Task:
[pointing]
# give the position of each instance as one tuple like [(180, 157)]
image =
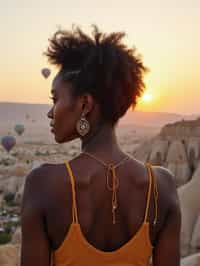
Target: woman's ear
[(87, 103)]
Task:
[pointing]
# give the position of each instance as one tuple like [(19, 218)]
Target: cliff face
[(181, 129), (177, 147)]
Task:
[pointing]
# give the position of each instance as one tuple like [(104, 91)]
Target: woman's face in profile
[(65, 112)]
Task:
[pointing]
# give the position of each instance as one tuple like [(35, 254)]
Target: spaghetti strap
[(74, 205), (155, 192), (152, 180), (149, 191)]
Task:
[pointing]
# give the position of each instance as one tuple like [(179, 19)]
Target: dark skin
[(46, 207)]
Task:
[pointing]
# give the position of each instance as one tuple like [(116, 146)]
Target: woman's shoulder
[(163, 177), (42, 180), (166, 186), (41, 175), (45, 168)]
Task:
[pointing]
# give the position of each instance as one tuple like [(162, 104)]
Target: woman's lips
[(52, 130)]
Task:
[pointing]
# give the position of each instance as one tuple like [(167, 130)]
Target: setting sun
[(147, 97)]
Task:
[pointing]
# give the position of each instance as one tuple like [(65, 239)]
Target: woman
[(103, 207)]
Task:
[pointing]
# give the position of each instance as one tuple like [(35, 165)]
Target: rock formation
[(9, 255), (177, 147), (190, 208), (192, 260)]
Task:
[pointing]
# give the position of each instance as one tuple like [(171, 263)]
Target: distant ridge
[(10, 111), (17, 112)]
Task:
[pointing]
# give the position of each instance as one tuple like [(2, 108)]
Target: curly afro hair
[(101, 65)]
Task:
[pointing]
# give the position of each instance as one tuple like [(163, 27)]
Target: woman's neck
[(101, 140)]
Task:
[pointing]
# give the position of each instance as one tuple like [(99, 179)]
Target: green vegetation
[(9, 199), (5, 237), (8, 228)]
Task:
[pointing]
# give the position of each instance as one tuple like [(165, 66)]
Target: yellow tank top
[(75, 250)]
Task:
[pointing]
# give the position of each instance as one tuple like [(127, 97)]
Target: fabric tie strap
[(113, 188), (115, 181)]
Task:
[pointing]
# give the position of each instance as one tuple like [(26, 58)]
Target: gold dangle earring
[(82, 126)]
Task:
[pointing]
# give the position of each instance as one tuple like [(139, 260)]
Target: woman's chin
[(57, 139), (63, 139)]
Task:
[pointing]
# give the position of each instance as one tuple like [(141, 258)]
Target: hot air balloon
[(8, 142), (45, 72), (19, 128)]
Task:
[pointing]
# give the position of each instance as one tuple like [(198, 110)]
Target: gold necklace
[(115, 181)]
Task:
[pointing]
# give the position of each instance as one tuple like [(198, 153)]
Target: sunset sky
[(166, 33)]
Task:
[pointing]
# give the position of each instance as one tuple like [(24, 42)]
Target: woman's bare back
[(94, 202)]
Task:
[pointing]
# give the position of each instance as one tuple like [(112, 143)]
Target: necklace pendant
[(114, 207)]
